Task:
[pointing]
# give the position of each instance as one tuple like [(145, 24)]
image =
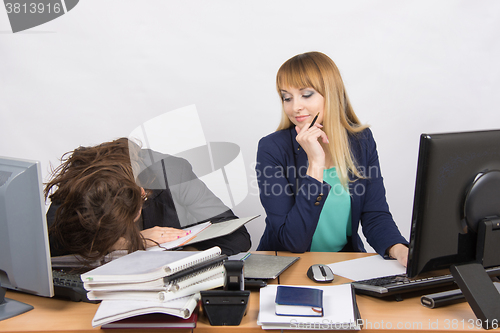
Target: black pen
[(314, 120)]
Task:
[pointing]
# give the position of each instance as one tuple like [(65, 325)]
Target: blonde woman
[(318, 174)]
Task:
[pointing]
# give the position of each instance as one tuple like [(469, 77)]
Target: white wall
[(107, 66)]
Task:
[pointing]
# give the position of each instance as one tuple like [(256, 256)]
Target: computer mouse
[(320, 273)]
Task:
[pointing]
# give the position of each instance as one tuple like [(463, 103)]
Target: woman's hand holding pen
[(308, 137), (309, 141)]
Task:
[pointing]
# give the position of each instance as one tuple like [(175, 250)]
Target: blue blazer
[(293, 201)]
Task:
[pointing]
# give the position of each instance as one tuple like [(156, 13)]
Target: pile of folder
[(153, 281)]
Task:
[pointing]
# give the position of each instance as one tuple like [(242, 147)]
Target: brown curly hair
[(99, 200)]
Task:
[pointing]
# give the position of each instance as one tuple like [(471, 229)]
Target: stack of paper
[(339, 307), (160, 279)]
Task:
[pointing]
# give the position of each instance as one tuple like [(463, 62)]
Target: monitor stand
[(482, 214), (480, 293), (477, 287), (11, 308)]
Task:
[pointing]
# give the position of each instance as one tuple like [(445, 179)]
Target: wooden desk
[(379, 315), (61, 316), (386, 314), (296, 274)]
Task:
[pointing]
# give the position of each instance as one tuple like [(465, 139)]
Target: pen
[(314, 120), (245, 257)]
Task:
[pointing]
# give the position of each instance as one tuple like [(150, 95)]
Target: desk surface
[(55, 315), (385, 314)]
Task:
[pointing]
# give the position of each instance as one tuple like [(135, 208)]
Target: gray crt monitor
[(24, 246)]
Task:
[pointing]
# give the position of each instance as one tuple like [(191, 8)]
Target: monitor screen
[(448, 164), (24, 247)]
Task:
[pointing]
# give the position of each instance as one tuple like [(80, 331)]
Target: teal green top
[(334, 225)]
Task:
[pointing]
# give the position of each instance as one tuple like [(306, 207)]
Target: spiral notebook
[(143, 266), (170, 282), (208, 280)]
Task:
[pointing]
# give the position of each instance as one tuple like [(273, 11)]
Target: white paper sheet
[(367, 268), (195, 230)]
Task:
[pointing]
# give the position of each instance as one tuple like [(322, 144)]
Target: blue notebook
[(299, 301)]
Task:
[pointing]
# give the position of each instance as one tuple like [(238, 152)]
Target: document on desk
[(204, 231), (193, 232), (367, 268), (339, 306)]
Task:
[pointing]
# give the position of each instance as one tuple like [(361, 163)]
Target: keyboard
[(399, 284), (69, 286)]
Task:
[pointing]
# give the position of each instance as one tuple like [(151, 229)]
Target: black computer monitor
[(24, 246), (456, 212), (448, 164)]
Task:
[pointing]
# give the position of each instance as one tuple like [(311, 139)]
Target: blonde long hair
[(318, 71)]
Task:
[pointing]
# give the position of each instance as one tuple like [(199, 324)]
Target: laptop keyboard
[(69, 286)]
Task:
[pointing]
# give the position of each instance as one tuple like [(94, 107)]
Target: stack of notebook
[(330, 307), (149, 281)]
